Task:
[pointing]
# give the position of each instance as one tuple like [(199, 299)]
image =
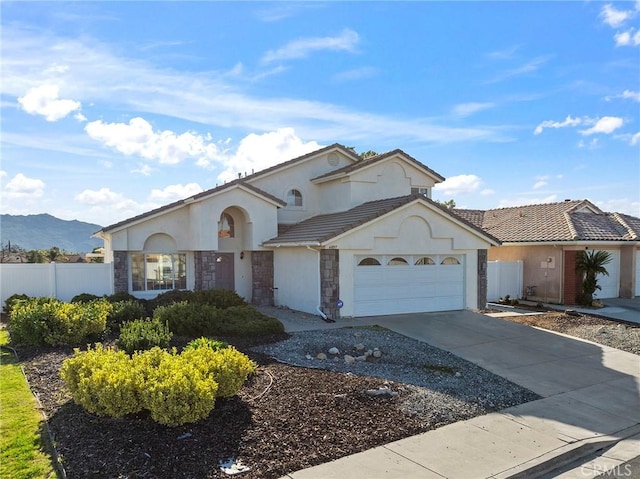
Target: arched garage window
[(425, 261), (449, 260), (397, 262), (369, 262)]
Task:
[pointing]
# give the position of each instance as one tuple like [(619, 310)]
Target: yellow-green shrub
[(49, 321), (229, 367), (103, 381), (176, 392)]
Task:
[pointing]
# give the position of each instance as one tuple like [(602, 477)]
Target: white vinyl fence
[(58, 280), (504, 278)]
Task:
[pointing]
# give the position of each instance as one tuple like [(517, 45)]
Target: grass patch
[(23, 453), (439, 368)]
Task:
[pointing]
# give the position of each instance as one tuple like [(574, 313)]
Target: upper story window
[(294, 198), (225, 226)]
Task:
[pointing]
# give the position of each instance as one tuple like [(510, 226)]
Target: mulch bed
[(285, 418)]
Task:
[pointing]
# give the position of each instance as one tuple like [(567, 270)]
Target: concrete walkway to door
[(590, 400)]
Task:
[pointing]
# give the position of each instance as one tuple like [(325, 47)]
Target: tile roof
[(324, 227), (375, 159), (577, 220)]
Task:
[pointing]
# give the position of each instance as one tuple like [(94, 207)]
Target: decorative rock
[(308, 356), (359, 347), (349, 359), (334, 351), (458, 374), (361, 358), (321, 356), (368, 352), (377, 353), (381, 392)]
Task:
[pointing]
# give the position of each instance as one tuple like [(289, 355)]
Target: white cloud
[(529, 67), (606, 125), (143, 169), (539, 184), (568, 121), (43, 100), (620, 205), (635, 139), (257, 152), (356, 74), (303, 47), (627, 94), (521, 201), (101, 196), (487, 192), (108, 207), (459, 185), (627, 38), (591, 145), (466, 109), (21, 186), (138, 138), (175, 192), (614, 17)]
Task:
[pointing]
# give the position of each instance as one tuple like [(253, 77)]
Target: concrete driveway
[(590, 399)]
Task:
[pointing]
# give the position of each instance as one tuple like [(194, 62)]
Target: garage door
[(610, 284), (408, 284)]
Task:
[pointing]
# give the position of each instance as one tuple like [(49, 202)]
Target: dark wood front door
[(224, 271)]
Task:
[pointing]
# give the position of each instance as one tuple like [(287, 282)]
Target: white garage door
[(638, 272), (408, 284), (610, 284)]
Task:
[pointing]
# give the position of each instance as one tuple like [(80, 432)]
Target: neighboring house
[(547, 238), (327, 232)]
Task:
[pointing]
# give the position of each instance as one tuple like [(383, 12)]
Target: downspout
[(319, 309)]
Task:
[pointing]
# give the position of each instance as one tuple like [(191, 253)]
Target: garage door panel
[(610, 284), (397, 289)]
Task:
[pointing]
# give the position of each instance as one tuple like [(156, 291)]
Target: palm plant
[(590, 264)]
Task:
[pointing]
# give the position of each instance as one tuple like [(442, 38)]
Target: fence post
[(53, 282)]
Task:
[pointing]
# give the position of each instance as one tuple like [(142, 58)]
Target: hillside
[(45, 231)]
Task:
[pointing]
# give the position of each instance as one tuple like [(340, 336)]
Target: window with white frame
[(158, 271), (294, 198)]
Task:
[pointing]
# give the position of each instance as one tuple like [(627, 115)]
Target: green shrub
[(11, 301), (229, 367), (142, 334), (169, 298), (48, 321), (202, 342), (84, 298), (121, 296), (246, 321), (103, 381), (174, 391), (124, 311), (188, 319), (220, 298)]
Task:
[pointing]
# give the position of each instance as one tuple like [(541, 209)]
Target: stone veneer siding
[(482, 278), (120, 272), (262, 278), (205, 269), (329, 282)]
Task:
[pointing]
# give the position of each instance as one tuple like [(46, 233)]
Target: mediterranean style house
[(326, 233), (547, 237)]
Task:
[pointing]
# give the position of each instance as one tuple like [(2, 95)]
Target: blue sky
[(110, 109)]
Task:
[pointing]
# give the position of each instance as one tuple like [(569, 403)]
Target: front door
[(224, 271)]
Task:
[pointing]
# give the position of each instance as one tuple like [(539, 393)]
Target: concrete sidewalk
[(590, 401)]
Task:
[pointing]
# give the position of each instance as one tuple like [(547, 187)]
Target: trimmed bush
[(124, 311), (174, 391), (246, 321), (188, 319), (212, 344), (142, 334), (40, 321), (84, 298), (102, 381), (11, 301), (228, 366), (220, 298)]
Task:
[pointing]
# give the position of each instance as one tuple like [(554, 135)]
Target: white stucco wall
[(297, 277)]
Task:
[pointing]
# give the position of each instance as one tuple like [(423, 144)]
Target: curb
[(566, 455)]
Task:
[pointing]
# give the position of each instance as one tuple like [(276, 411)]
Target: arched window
[(294, 198), (369, 262), (449, 260), (425, 261), (397, 262), (225, 226)]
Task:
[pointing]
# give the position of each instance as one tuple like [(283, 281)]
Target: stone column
[(572, 288), (262, 278), (120, 272), (205, 269), (482, 279), (330, 282)]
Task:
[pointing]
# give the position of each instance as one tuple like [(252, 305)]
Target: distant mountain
[(45, 231)]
